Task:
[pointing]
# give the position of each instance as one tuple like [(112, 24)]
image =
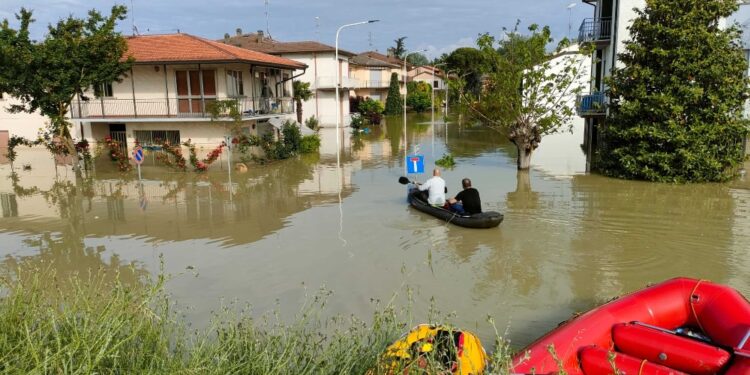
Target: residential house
[(322, 70), (374, 76), (168, 92), (607, 31), (428, 74)]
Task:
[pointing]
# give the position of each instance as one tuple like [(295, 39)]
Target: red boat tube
[(720, 312)]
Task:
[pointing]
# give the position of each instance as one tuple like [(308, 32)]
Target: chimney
[(260, 36)]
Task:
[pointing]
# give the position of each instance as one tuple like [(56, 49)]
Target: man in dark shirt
[(467, 201)]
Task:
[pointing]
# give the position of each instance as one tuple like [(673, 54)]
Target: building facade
[(322, 71), (431, 75), (374, 76), (167, 95)]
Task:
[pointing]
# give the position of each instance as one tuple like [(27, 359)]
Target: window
[(148, 138), (189, 89), (234, 83), (436, 84), (103, 90)]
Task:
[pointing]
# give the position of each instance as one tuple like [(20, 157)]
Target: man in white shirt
[(435, 186)]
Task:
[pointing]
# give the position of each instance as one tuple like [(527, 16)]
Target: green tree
[(394, 104), (528, 91), (75, 55), (468, 64), (417, 59), (302, 93), (399, 49), (676, 105), (419, 96)]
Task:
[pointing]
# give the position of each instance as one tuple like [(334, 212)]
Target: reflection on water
[(567, 243)]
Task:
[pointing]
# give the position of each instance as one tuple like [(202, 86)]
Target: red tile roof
[(188, 48)]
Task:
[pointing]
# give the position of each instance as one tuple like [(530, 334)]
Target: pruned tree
[(75, 55), (529, 92), (676, 111)]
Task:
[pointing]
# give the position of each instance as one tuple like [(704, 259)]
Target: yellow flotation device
[(426, 345)]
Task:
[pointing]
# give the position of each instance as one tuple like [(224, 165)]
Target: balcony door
[(189, 96), (376, 76)]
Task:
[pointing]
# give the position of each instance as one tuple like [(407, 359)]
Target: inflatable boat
[(681, 326), (483, 220)]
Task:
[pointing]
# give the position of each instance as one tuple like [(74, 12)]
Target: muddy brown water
[(276, 233)]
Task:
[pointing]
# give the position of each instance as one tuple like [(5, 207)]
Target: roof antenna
[(268, 29), (132, 17), (370, 40), (317, 28)]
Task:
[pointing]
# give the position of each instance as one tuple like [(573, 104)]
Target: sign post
[(138, 157), (415, 164)]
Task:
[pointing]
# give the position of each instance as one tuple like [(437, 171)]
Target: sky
[(438, 26)]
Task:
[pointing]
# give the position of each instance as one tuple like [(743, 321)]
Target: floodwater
[(275, 234)]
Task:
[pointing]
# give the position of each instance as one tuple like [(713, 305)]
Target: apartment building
[(322, 70), (168, 92)]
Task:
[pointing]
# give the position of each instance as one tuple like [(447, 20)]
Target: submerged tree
[(76, 55), (676, 105), (394, 104), (528, 92), (302, 93)]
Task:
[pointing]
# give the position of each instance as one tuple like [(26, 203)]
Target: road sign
[(138, 155), (415, 164)]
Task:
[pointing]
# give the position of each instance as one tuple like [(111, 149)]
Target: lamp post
[(406, 93), (338, 83), (570, 12), (432, 106)]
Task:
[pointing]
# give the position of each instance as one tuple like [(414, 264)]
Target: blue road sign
[(415, 164), (138, 155)]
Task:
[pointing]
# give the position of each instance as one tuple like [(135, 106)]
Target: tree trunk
[(524, 156), (299, 111)]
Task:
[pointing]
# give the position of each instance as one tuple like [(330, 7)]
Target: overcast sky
[(436, 25)]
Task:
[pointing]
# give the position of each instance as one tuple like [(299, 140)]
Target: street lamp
[(432, 106), (338, 83), (570, 12), (406, 94)]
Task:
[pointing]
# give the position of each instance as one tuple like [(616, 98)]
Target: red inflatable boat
[(681, 326)]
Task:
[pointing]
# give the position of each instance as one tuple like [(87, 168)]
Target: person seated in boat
[(466, 202), (435, 188)]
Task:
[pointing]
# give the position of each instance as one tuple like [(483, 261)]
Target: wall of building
[(26, 125)]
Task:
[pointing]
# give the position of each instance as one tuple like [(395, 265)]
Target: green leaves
[(676, 107), (394, 103)]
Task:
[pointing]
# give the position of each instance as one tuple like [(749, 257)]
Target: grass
[(99, 323)]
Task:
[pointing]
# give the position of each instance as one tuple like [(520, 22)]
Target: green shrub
[(371, 110), (419, 97), (357, 121), (312, 123), (310, 144), (394, 104), (446, 161)]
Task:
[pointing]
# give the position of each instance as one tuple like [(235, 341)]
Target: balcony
[(329, 83), (591, 105), (189, 109), (375, 84), (595, 30)]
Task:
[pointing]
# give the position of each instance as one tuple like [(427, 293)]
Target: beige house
[(429, 74), (168, 92), (322, 71), (373, 71)]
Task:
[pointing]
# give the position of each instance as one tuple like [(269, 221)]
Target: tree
[(394, 104), (302, 93), (399, 49), (76, 54), (469, 64), (419, 96), (529, 92), (676, 105), (417, 59)]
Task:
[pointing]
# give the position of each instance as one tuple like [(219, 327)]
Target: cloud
[(435, 51)]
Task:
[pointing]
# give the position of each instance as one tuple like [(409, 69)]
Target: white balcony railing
[(329, 82), (174, 107)]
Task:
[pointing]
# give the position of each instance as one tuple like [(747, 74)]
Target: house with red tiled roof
[(174, 79), (373, 71), (322, 73), (428, 74)]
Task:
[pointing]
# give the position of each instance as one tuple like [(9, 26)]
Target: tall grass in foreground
[(95, 324)]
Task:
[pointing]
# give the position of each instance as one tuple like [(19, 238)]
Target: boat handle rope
[(694, 297), (640, 370), (741, 346)]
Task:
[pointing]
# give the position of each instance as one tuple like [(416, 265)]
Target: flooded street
[(277, 233)]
